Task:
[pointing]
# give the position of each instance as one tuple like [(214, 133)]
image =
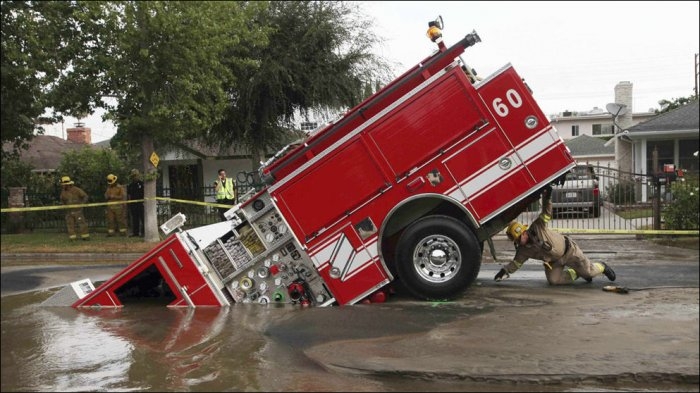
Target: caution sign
[(154, 159)]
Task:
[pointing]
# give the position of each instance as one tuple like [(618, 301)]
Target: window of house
[(664, 154), (602, 129), (574, 130), (686, 159)]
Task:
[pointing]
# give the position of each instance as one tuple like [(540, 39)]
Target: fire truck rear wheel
[(438, 257)]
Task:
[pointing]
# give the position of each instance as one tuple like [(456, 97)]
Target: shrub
[(683, 212), (622, 193)]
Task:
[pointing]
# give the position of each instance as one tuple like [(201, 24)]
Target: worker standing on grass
[(73, 195), (134, 191), (564, 261), (116, 214), (225, 193)]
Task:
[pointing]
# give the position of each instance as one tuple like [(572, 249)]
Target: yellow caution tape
[(628, 231), (62, 207)]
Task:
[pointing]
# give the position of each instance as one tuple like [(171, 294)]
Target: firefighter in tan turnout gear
[(116, 214), (563, 260), (73, 195)]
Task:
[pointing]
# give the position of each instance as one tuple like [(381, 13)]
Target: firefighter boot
[(609, 273)]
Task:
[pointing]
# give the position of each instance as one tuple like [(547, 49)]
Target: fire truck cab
[(405, 187)]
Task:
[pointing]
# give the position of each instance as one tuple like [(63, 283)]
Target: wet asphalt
[(519, 331)]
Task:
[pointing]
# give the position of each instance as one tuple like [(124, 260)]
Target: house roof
[(683, 118), (45, 151), (585, 145)]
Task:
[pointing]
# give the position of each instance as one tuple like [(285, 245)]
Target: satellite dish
[(616, 109)]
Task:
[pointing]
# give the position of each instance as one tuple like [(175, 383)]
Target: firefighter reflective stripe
[(339, 253), (599, 266), (492, 176), (572, 274), (546, 218)]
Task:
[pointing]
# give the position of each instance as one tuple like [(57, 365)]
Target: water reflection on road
[(145, 347)]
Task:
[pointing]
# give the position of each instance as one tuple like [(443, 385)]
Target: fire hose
[(624, 290)]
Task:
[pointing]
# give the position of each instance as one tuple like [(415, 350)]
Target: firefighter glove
[(500, 274)]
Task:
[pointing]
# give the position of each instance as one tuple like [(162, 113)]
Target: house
[(187, 169), (598, 122), (670, 138), (590, 150), (45, 152)]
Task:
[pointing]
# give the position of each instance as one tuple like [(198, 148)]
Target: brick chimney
[(80, 134), (623, 150)]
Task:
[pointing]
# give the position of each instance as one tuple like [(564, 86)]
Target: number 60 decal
[(513, 99)]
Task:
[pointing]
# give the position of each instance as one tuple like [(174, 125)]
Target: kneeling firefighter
[(562, 258)]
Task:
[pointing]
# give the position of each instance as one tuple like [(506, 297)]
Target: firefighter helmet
[(111, 179), (66, 181), (515, 229)]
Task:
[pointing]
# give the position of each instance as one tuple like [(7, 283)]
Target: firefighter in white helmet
[(563, 260)]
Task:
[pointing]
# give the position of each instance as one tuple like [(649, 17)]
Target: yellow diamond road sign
[(155, 159)]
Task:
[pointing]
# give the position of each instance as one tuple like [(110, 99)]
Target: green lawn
[(634, 213)]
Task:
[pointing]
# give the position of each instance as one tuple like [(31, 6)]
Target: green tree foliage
[(88, 168), (37, 44), (669, 105), (318, 54), (167, 65)]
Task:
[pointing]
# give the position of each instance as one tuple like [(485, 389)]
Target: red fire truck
[(406, 186)]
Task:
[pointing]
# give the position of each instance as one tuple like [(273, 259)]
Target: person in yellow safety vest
[(73, 195), (564, 261), (116, 214), (225, 193)]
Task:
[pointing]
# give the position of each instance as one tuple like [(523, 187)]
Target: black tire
[(437, 258)]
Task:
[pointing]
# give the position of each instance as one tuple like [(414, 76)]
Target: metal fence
[(169, 202), (629, 203), (633, 203)]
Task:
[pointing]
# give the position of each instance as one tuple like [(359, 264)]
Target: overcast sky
[(571, 54)]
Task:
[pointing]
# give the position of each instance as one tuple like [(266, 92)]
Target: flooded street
[(147, 347), (520, 335)]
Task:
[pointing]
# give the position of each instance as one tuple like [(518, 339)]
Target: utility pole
[(696, 76)]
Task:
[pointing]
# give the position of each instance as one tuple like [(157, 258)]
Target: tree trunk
[(255, 158), (150, 221)]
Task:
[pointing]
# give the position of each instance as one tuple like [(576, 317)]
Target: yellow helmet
[(515, 229), (111, 179), (66, 181)]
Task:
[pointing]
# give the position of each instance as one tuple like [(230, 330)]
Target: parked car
[(578, 193)]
